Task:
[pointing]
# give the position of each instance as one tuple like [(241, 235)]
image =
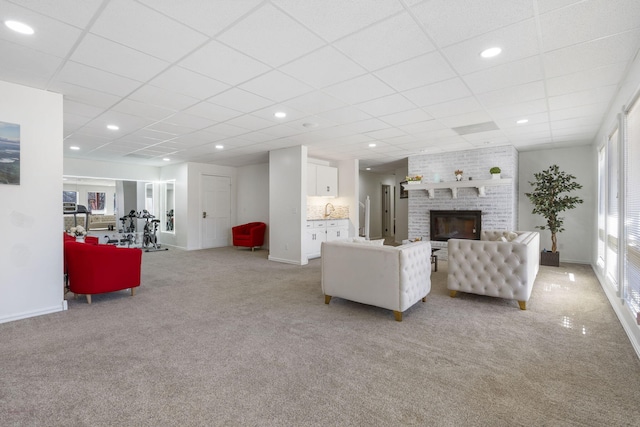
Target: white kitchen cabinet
[(337, 229), (322, 180), (323, 231)]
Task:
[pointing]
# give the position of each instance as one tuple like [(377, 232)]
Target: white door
[(216, 211)]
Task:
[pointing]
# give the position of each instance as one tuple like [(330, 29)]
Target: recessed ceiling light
[(73, 147), (280, 114), (219, 146), (522, 121), (166, 159), (491, 52), (113, 127), (19, 27), (372, 145)]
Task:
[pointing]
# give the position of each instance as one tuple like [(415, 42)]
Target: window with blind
[(611, 226), (632, 210), (601, 207)]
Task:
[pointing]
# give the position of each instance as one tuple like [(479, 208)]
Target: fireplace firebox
[(445, 225)]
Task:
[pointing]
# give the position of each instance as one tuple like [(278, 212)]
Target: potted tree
[(549, 199)]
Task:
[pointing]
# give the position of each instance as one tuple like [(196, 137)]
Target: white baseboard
[(287, 261), (34, 313)]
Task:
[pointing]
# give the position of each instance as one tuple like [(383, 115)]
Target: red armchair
[(249, 235), (97, 269)]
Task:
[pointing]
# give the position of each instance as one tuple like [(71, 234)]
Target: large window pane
[(632, 210), (612, 211)]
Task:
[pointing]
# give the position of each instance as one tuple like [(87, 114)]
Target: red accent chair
[(249, 235), (98, 269)]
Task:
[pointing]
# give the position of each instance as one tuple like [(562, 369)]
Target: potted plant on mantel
[(549, 200), (495, 172)]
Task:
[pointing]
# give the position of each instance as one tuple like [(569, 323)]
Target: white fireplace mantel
[(480, 185)]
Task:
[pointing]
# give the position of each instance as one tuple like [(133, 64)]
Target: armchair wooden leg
[(133, 291), (88, 298), (398, 315), (453, 294), (327, 298), (424, 299), (523, 305)]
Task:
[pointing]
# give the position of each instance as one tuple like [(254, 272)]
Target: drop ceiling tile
[(386, 105), (385, 43), (84, 95), (549, 5), (240, 100), (75, 13), (585, 21), (230, 66), (367, 125), (575, 124), (142, 109), (581, 111), (449, 22), (189, 83), (80, 109), (91, 78), (51, 36), (26, 66), (419, 71), (171, 130), (511, 74), (513, 94), (592, 54), (452, 108), (212, 112), (588, 79), (190, 121), (271, 37), (336, 19), (268, 114), (146, 30), (162, 98), (251, 122), (208, 17), (115, 58), (384, 134), (518, 41), (324, 67), (510, 123), (315, 102), (359, 90), (586, 97), (421, 127), (406, 117), (521, 109), (276, 86), (467, 119), (437, 93), (345, 115), (226, 130)]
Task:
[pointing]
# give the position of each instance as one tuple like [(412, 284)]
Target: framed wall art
[(9, 153)]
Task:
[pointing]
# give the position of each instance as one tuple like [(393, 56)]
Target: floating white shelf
[(480, 185)]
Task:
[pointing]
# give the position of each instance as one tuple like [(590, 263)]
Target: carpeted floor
[(223, 337)]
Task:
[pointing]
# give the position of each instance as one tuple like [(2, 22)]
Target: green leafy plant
[(495, 169), (549, 199)]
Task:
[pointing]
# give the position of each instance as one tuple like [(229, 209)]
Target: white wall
[(114, 170), (252, 194), (575, 243), (287, 204), (179, 174), (31, 278), (371, 185)]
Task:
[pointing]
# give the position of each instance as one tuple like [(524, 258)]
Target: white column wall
[(31, 281)]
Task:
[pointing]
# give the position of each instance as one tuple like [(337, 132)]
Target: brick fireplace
[(498, 207)]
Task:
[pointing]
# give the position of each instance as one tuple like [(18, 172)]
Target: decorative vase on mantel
[(458, 174), (80, 239)]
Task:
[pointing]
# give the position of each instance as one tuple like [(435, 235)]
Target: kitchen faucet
[(327, 213)]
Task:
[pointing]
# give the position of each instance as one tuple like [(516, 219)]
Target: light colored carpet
[(224, 337)]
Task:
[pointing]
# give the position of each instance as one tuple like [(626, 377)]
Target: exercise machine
[(149, 236)]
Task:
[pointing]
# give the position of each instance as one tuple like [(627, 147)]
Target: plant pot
[(495, 176), (80, 239), (551, 259), (414, 182)]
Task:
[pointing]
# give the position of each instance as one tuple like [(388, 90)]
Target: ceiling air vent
[(139, 156), (476, 128)]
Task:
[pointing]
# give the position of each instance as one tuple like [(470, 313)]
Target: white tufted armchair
[(390, 277), (501, 264)]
